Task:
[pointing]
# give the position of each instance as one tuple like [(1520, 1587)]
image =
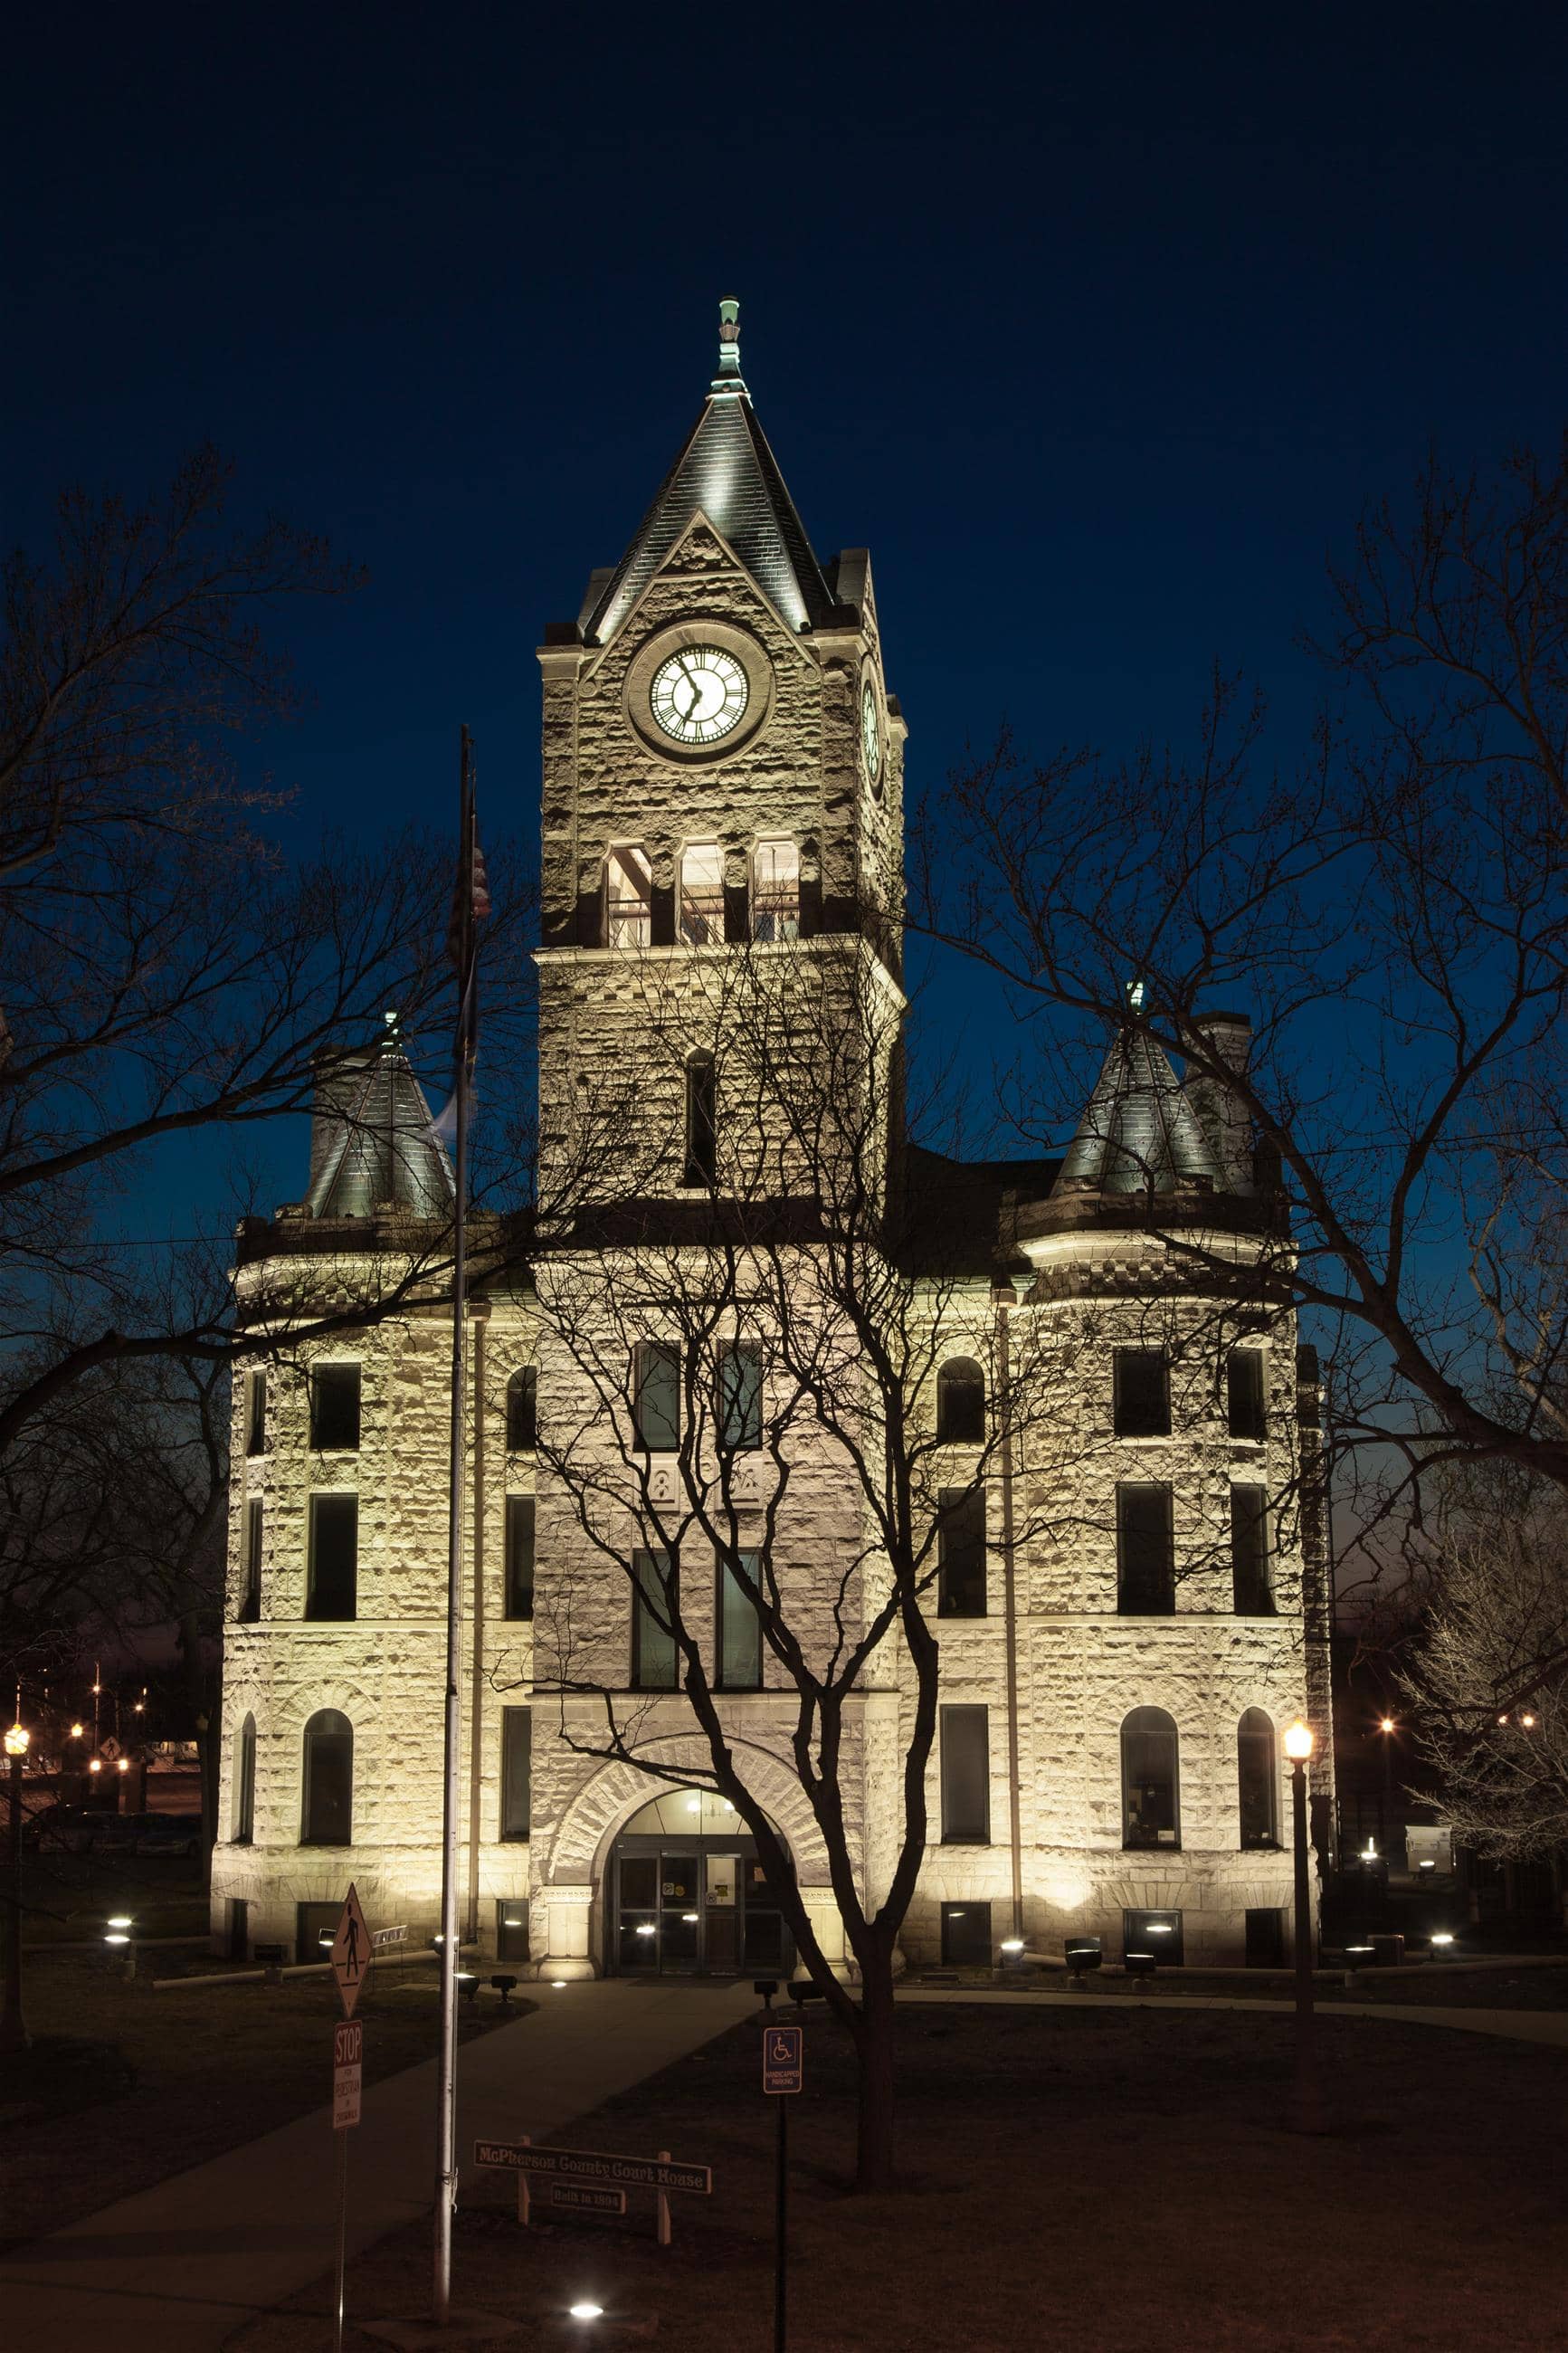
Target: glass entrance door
[(686, 1895)]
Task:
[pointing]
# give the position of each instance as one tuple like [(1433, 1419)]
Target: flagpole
[(446, 2070)]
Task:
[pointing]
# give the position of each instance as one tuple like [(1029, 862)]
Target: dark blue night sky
[(1097, 328)]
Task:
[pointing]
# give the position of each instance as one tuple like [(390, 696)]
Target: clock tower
[(721, 796)]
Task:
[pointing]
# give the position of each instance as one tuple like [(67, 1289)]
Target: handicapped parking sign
[(784, 2058)]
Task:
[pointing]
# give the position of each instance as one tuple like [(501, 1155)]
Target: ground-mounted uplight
[(1441, 1939), (1012, 1944), (586, 2311), (557, 1985)]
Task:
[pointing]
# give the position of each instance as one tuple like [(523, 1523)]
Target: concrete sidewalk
[(1549, 2026), (177, 2268)]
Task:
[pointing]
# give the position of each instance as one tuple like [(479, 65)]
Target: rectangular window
[(1245, 1399), (740, 1642), (1142, 1393), (653, 1630), (516, 1770), (250, 1600), (520, 1556), (702, 1121), (1250, 1584), (255, 1413), (511, 1928), (628, 898), (1145, 1558), (656, 1397), (522, 1410), (961, 1553), (335, 1556), (965, 1777), (775, 891), (334, 1409), (702, 896), (966, 1935), (739, 1398)]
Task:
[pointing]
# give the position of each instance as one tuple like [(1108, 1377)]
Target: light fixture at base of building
[(585, 2311), (1298, 1742), (557, 1985), (1012, 1944), (1442, 1936)]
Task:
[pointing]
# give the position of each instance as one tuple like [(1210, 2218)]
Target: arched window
[(1257, 1774), (702, 1121), (1151, 1811), (522, 1410), (775, 891), (245, 1783), (961, 1402), (628, 897), (326, 1815)]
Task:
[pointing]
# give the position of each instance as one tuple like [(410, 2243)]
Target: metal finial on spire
[(728, 344)]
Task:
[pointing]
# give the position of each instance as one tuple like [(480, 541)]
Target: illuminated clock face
[(700, 695), (869, 735)]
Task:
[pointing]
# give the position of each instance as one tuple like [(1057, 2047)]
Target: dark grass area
[(124, 2086), (1074, 2178), (1531, 1985), (66, 1898)]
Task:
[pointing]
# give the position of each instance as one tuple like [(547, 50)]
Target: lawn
[(125, 2085), (1097, 2177)]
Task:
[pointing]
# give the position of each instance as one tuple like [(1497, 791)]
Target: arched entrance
[(685, 1895)]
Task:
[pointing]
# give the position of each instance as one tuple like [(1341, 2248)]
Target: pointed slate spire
[(375, 1144), (1140, 1133), (727, 472)]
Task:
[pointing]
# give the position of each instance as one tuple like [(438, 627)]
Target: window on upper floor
[(656, 1397), (520, 1556), (245, 1783), (965, 1746), (961, 1553), (1246, 1397), (775, 891), (326, 1811), (522, 1410), (1142, 1393), (332, 1578), (738, 1399), (961, 1402), (255, 1413), (701, 1122), (516, 1771), (1151, 1799), (1145, 1556), (628, 897), (703, 895), (1257, 1774), (250, 1596), (655, 1584), (334, 1409), (1251, 1586), (738, 1647)]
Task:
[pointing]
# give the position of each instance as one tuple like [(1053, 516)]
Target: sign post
[(351, 1960), (784, 2062)]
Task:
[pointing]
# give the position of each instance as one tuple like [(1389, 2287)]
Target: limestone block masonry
[(1148, 1609)]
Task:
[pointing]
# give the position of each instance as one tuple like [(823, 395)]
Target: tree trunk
[(874, 2165)]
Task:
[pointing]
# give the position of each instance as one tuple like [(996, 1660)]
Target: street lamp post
[(1299, 1748), (13, 2028)]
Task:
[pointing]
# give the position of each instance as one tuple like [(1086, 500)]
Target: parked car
[(170, 1834), (116, 1833), (66, 1826)]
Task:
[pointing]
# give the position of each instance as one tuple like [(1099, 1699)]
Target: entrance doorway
[(687, 1897)]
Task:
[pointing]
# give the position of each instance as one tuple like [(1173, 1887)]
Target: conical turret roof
[(381, 1147), (727, 472), (1140, 1133)]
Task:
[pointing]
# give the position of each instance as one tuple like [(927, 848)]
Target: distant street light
[(1299, 1745), (13, 2026)]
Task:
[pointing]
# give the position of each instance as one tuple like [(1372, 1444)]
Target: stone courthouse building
[(1116, 1431)]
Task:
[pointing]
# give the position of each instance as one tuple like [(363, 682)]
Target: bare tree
[(742, 1381), (1392, 913), (169, 970), (1487, 1674)]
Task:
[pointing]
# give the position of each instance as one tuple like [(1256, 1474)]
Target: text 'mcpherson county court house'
[(1128, 1583)]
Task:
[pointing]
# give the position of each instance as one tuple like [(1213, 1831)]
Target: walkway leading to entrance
[(177, 2268)]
